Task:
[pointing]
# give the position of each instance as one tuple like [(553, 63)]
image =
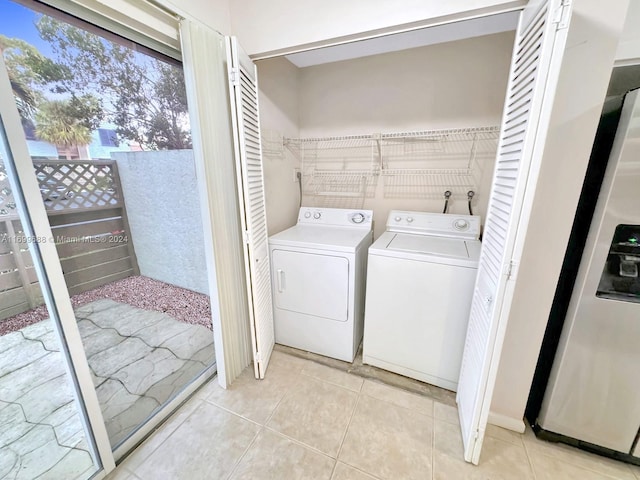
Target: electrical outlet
[(297, 174)]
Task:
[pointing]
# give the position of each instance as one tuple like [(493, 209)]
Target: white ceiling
[(402, 41)]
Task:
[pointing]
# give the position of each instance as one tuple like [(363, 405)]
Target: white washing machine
[(421, 274), (319, 271)]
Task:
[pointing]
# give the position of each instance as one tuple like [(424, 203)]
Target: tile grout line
[(132, 453), (575, 463), (529, 459), (333, 383), (333, 470), (399, 406), (298, 442), (235, 414), (288, 390), (348, 370), (433, 440), (246, 450), (346, 430)]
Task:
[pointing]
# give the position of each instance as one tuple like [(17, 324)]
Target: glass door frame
[(50, 275), (47, 265)]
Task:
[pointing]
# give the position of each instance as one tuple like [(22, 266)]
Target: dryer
[(318, 270), (421, 274)]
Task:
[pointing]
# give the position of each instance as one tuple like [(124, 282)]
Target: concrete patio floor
[(138, 360)]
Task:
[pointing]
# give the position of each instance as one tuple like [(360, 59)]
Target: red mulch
[(138, 291)]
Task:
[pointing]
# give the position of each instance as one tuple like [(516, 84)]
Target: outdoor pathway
[(138, 360)]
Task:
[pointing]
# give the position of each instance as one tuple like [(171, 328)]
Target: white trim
[(514, 6), (138, 20), (627, 62), (509, 423)]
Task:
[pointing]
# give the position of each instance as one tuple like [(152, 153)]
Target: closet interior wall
[(453, 85)]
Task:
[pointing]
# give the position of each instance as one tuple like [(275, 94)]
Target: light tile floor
[(310, 421)]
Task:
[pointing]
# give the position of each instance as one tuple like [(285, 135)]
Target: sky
[(17, 21)]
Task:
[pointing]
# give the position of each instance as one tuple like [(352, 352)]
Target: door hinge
[(245, 236), (234, 77), (511, 269), (258, 357), (561, 15)]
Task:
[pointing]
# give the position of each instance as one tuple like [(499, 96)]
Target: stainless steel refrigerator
[(592, 395)]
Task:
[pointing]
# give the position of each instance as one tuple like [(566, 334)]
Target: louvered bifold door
[(243, 82), (535, 64)]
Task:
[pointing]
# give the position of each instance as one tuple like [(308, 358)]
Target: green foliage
[(143, 96), (30, 73), (57, 122)]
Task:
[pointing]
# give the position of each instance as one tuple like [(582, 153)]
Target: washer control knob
[(307, 214), (461, 224), (357, 218), (409, 219), (317, 215), (397, 219)]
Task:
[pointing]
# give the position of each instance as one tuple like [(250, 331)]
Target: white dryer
[(319, 271), (421, 274)]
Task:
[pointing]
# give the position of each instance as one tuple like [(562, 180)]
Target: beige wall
[(576, 110), (278, 97), (629, 47), (267, 26), (449, 85)]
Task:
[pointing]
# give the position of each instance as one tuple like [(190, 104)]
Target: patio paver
[(138, 360)]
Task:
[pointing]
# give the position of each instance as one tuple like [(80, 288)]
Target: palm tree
[(55, 124)]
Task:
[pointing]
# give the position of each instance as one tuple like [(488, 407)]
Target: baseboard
[(506, 422)]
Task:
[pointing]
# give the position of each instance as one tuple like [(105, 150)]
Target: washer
[(319, 272), (421, 275)]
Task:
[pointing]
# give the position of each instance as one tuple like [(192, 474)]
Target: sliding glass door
[(101, 138), (44, 427)]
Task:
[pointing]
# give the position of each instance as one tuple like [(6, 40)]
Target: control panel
[(440, 224), (336, 217)]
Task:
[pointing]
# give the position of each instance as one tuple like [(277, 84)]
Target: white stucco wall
[(161, 198)]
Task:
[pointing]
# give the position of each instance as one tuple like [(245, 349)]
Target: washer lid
[(447, 247), (322, 237), (428, 248)]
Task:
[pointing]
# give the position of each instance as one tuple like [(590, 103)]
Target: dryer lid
[(342, 239)]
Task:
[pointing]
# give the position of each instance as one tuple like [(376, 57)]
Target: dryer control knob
[(397, 219), (307, 214), (409, 219), (317, 215), (461, 224), (357, 218)]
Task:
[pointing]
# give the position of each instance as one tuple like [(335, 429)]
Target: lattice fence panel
[(7, 203), (78, 185)]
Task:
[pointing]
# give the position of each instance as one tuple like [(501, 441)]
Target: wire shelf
[(414, 165), (359, 184)]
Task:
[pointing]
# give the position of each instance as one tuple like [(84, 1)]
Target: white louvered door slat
[(248, 150), (538, 45)]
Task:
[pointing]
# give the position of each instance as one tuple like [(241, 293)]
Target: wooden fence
[(89, 227)]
